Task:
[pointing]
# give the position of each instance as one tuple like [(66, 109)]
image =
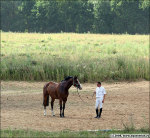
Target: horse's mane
[(67, 78)]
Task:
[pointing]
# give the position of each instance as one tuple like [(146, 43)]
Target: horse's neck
[(69, 83)]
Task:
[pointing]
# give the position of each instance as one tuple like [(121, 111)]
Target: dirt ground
[(126, 103)]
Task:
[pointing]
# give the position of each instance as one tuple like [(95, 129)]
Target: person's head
[(98, 84)]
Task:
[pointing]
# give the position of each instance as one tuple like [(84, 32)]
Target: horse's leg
[(64, 102), (52, 104), (45, 102), (60, 102), (44, 110)]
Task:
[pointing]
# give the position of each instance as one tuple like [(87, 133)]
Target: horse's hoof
[(53, 115)]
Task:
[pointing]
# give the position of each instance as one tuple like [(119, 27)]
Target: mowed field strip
[(21, 107)]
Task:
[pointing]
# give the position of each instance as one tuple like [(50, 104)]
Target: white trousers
[(99, 103)]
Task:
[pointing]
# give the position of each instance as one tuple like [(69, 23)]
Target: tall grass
[(93, 57), (130, 125)]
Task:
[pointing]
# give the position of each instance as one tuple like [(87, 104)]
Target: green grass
[(34, 56), (63, 134)]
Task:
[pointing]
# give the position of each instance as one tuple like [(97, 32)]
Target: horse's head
[(76, 83)]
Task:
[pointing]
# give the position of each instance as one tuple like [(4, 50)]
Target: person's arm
[(93, 93), (104, 98), (104, 95)]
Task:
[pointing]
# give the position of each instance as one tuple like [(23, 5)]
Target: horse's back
[(51, 88)]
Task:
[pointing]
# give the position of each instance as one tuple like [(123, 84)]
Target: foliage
[(98, 16)]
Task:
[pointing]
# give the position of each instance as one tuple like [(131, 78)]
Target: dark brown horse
[(59, 91)]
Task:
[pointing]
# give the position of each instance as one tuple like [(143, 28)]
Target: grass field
[(63, 134), (34, 56)]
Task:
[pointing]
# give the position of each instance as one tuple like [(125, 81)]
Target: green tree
[(103, 17), (26, 13), (10, 16), (76, 16), (129, 18), (98, 16)]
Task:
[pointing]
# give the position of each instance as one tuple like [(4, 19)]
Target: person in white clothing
[(100, 97)]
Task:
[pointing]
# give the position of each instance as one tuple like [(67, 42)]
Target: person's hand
[(94, 92), (103, 101)]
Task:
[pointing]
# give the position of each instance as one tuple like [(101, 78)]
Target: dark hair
[(67, 78), (99, 82)]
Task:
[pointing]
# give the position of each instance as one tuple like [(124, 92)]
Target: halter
[(75, 84)]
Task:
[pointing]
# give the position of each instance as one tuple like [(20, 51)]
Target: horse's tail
[(45, 95)]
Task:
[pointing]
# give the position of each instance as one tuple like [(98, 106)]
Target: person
[(100, 97)]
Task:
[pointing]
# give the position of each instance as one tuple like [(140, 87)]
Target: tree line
[(80, 16)]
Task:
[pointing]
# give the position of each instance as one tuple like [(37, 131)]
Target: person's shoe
[(96, 113), (99, 115)]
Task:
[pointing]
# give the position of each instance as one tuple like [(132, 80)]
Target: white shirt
[(100, 91)]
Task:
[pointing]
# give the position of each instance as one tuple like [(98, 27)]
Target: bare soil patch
[(21, 107)]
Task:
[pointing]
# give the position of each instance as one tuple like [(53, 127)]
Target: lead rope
[(77, 91), (73, 81), (80, 96)]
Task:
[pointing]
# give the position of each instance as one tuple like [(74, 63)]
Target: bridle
[(76, 84)]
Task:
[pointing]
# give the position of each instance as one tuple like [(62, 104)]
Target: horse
[(59, 91)]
